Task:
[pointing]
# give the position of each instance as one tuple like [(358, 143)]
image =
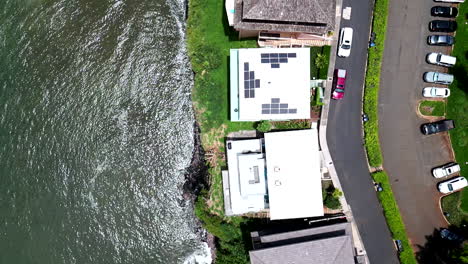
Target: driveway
[(408, 155), (344, 137)]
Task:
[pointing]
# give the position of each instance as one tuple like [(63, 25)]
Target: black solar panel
[(246, 66), (273, 55), (291, 55), (283, 60), (252, 93), (246, 75), (257, 83), (252, 75), (277, 108), (283, 55), (274, 60), (275, 66), (246, 84), (246, 94), (265, 55), (265, 60)]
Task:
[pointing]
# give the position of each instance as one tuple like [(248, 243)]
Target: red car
[(338, 93)]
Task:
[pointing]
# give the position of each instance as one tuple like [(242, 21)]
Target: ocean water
[(96, 133)]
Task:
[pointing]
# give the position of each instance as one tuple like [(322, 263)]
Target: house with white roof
[(279, 173), (269, 84)]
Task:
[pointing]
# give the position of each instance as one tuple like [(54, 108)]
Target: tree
[(320, 61)]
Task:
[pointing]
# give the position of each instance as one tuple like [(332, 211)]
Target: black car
[(442, 26), (436, 127), (440, 40), (449, 235), (444, 11)]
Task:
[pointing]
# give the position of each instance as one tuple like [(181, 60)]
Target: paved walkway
[(408, 155)]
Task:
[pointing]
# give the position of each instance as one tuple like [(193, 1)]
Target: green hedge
[(394, 220), (371, 92)]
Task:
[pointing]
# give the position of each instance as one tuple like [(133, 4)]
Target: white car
[(436, 92), (346, 40), (441, 59), (452, 185), (450, 1), (446, 170)]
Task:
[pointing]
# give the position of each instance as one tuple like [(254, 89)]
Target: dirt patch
[(212, 143)]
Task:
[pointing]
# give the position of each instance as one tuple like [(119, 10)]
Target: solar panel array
[(275, 59), (250, 83), (276, 107)]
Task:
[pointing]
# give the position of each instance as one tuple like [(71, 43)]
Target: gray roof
[(335, 250), (324, 245), (313, 16)]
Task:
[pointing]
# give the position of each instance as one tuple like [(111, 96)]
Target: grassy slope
[(371, 92), (393, 217), (438, 108), (457, 108), (209, 41)]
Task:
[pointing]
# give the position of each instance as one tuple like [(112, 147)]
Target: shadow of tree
[(461, 75), (438, 250)]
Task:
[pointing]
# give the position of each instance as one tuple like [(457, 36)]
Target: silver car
[(438, 77)]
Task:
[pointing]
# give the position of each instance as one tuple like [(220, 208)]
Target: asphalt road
[(408, 155), (344, 136)]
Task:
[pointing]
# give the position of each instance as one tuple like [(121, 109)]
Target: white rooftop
[(270, 84), (247, 182), (286, 170), (294, 178)]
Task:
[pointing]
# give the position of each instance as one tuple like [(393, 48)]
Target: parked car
[(446, 170), (438, 77), (441, 59), (436, 92), (442, 26), (346, 40), (449, 235), (450, 1), (338, 92), (452, 185), (440, 40), (444, 11), (436, 127)]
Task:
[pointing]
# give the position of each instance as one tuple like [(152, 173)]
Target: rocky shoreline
[(196, 179)]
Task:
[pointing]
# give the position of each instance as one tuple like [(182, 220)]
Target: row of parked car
[(443, 60)]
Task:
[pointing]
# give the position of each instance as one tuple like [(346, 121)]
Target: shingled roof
[(312, 16), (323, 245)]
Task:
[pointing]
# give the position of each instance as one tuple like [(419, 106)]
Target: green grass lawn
[(457, 106), (432, 108), (451, 205), (322, 71)]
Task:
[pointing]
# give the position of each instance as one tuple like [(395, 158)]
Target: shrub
[(292, 125), (264, 126)]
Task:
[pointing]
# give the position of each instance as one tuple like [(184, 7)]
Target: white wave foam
[(201, 256)]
